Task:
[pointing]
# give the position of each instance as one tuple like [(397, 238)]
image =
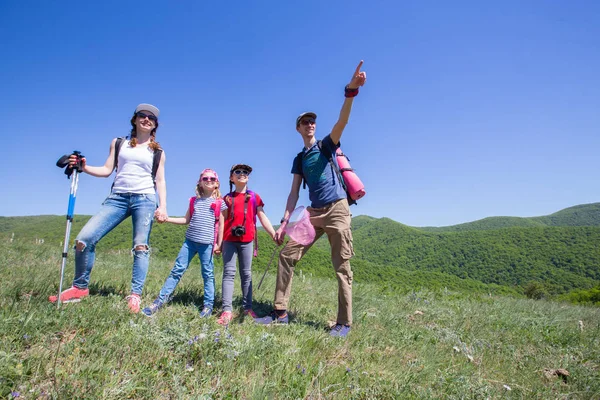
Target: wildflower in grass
[(15, 394), (189, 367), (506, 387), (348, 370), (26, 337)]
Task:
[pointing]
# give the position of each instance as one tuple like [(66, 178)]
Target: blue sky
[(471, 109)]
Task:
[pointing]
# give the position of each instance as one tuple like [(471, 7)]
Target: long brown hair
[(154, 145)]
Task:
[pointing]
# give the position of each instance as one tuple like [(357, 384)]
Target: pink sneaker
[(225, 318), (133, 302), (250, 313), (71, 295)]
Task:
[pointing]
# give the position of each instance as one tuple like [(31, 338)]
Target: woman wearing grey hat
[(139, 191)]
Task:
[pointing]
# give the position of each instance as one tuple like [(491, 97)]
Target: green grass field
[(408, 344)]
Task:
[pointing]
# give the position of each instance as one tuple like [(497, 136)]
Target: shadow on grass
[(102, 289)]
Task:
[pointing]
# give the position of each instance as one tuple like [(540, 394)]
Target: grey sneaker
[(152, 308), (206, 312), (340, 330), (273, 318)]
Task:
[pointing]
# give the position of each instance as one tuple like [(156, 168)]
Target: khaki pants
[(333, 220)]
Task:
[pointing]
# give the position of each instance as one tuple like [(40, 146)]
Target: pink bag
[(299, 227)]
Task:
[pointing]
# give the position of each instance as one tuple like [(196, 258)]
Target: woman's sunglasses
[(209, 178), (241, 172), (142, 115)]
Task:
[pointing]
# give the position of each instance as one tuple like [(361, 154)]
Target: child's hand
[(217, 250), (160, 216)]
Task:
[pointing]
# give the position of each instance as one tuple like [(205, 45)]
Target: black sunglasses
[(309, 121), (144, 115), (241, 172), (206, 179)]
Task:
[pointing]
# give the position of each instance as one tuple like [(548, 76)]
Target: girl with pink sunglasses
[(204, 236)]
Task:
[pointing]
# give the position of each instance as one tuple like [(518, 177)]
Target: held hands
[(161, 215), (358, 78)]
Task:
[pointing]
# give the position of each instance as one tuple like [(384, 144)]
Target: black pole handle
[(63, 162)]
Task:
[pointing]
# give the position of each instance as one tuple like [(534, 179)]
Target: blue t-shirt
[(323, 184), (202, 224)]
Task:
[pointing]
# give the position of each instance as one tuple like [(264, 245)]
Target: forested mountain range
[(496, 254), (581, 215)]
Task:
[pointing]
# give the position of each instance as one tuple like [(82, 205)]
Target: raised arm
[(292, 200), (100, 172), (358, 79)]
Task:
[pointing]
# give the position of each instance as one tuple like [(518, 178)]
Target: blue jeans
[(116, 208), (231, 250), (187, 252)]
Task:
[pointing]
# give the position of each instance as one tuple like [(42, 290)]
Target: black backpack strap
[(298, 163), (118, 145), (329, 155), (156, 163)]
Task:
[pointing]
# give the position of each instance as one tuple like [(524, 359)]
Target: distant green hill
[(553, 250), (581, 215), (561, 257)]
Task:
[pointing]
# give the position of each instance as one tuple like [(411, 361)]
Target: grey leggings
[(231, 250)]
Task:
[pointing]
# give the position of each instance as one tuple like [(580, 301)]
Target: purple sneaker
[(272, 318), (340, 330)]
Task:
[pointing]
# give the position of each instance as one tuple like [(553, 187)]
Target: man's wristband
[(350, 92), (284, 221)]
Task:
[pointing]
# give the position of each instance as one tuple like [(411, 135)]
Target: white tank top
[(134, 170)]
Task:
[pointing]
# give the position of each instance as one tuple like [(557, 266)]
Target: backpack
[(250, 198), (216, 207), (346, 176), (155, 159)]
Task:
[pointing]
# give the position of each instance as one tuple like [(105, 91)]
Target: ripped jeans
[(116, 208)]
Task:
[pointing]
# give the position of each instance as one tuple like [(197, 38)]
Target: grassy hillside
[(395, 255), (581, 215), (403, 345)]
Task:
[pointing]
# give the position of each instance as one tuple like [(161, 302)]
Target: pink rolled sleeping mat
[(355, 187)]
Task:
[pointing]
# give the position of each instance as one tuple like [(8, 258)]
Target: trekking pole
[(268, 265), (75, 170)]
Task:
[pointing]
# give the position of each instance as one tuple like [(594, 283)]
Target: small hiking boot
[(225, 318), (250, 313), (273, 318), (133, 302), (152, 308), (71, 295), (340, 330), (206, 312)]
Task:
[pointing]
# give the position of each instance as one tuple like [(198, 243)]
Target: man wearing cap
[(329, 212)]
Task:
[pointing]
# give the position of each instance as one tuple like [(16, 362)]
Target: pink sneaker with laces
[(250, 313), (71, 295), (133, 302), (225, 318)]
